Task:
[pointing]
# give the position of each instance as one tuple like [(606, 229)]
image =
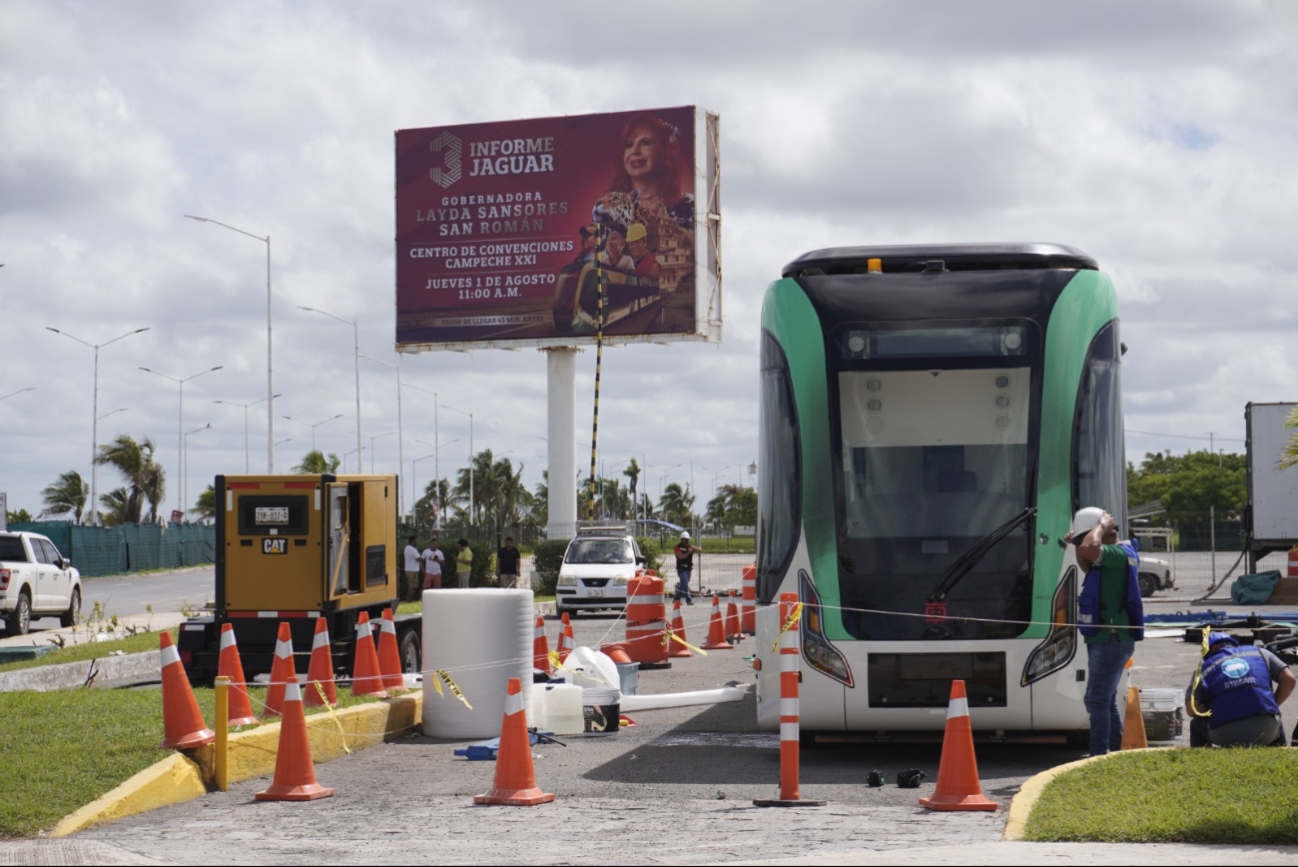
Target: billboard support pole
[(599, 357), (561, 380)]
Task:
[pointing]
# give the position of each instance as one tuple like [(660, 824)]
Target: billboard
[(509, 233), (1272, 492)]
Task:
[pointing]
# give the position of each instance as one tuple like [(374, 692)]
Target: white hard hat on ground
[(1086, 519)]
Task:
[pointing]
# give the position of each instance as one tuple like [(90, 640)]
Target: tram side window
[(1099, 463), (779, 496)]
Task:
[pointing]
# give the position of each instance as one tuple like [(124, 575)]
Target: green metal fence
[(128, 547)]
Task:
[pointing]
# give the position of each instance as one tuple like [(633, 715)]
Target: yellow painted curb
[(180, 777), (1021, 807), (174, 779)]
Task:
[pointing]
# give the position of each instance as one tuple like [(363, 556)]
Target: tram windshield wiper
[(971, 558)]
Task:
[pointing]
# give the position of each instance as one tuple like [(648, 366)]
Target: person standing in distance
[(507, 560), (464, 564), (1110, 616), (433, 559), (409, 585), (685, 551)]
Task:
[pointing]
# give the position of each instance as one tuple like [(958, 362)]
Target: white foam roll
[(481, 638)]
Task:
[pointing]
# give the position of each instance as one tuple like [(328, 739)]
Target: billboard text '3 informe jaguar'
[(498, 226)]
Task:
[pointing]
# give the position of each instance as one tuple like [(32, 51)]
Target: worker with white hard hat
[(1110, 616), (685, 551)]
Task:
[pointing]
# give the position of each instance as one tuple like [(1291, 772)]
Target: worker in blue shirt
[(1230, 700)]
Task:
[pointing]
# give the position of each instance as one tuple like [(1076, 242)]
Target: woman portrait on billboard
[(649, 187)]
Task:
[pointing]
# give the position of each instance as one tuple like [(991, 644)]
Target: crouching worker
[(1230, 700)]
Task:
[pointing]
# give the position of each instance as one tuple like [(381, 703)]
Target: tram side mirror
[(1122, 348)]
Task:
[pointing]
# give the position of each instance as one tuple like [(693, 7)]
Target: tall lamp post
[(19, 391), (313, 426), (270, 374), (414, 471), (372, 438), (94, 427), (356, 332), (180, 412), (473, 505), (184, 471), (247, 464), (401, 447)]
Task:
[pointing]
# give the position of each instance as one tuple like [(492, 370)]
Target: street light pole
[(401, 448), (247, 464), (356, 333), (184, 472), (473, 505), (313, 426), (362, 467), (19, 391), (94, 426), (180, 412), (270, 354)]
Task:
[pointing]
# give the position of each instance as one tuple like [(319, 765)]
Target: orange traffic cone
[(182, 722), (515, 783), (280, 670), (540, 648), (733, 632), (389, 655), (367, 678), (294, 771), (321, 671), (230, 666), (957, 774), (677, 649), (716, 630), (567, 642), (616, 652), (1133, 723)]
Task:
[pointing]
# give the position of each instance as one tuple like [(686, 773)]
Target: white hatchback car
[(36, 581), (595, 570)]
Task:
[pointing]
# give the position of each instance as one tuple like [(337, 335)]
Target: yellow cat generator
[(294, 549)]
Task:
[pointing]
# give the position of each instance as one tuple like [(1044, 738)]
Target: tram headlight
[(1061, 642), (816, 649)]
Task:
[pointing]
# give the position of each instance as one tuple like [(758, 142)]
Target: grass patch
[(1236, 796), (735, 545), (90, 650), (61, 750)]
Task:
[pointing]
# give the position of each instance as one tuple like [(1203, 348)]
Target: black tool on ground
[(910, 779), (544, 738), (875, 779)]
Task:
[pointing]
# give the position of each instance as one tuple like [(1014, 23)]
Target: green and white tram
[(931, 417)]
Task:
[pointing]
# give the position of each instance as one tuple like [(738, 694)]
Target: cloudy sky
[(1158, 137)]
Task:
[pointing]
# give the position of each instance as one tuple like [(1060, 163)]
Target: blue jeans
[(683, 585), (1104, 663)]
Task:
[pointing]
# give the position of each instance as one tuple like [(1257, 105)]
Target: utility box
[(1272, 513), (297, 549)]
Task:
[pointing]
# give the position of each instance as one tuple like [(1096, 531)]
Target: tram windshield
[(936, 432)]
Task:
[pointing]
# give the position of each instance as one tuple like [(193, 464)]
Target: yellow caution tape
[(794, 616), (320, 689), (677, 638), (454, 687), (1198, 676)]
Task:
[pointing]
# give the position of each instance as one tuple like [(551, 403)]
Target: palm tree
[(434, 492), (314, 463), (145, 479), (206, 505), (1289, 455), (68, 494), (116, 504), (632, 472), (677, 505)]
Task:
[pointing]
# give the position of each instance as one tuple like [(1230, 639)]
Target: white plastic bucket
[(1163, 711)]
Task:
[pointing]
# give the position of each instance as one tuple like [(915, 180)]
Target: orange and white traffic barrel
[(646, 620), (748, 610), (790, 731)]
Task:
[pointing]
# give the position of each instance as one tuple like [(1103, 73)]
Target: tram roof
[(955, 257)]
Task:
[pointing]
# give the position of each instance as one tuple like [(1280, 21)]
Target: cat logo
[(274, 546)]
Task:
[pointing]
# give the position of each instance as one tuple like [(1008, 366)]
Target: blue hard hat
[(1220, 637)]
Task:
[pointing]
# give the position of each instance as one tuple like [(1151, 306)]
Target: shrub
[(547, 559), (652, 552)]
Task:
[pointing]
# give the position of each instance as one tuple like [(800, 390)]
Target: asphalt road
[(133, 594)]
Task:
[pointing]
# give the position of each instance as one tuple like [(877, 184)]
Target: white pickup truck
[(36, 581)]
